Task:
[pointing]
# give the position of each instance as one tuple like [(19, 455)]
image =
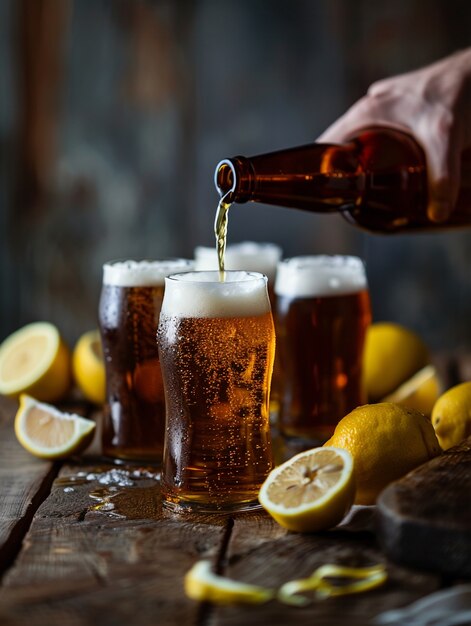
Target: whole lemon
[(451, 415), (392, 355), (89, 367), (386, 441)]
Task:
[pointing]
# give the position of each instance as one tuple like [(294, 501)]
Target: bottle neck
[(320, 177), (236, 179)]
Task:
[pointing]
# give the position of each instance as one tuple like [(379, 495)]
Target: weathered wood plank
[(262, 553), (102, 550), (24, 483)]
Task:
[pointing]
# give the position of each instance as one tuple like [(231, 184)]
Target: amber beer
[(255, 257), (131, 298), (216, 343), (323, 312)]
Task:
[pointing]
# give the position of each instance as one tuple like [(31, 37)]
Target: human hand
[(433, 104)]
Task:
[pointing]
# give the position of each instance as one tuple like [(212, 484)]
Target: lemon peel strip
[(364, 579), (201, 584)]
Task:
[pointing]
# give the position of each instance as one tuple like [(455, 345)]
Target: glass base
[(195, 506)]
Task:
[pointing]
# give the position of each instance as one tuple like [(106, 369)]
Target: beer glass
[(216, 344), (323, 312), (134, 417), (254, 257)]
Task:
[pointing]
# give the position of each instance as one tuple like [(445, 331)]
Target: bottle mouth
[(225, 177)]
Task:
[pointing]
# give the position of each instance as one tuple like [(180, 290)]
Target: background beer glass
[(131, 297), (246, 255), (216, 343), (323, 311)]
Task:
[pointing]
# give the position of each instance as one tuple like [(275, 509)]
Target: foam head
[(312, 276), (201, 294), (246, 255), (142, 273)]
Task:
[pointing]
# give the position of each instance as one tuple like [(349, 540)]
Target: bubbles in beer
[(130, 302), (217, 369)]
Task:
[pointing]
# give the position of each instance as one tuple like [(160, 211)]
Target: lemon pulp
[(49, 433), (311, 491)]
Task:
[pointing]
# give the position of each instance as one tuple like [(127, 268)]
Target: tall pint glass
[(323, 312), (131, 297), (255, 257), (216, 343)]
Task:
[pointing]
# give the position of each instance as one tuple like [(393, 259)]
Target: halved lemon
[(419, 392), (49, 433), (89, 367), (35, 360), (311, 491), (202, 584)]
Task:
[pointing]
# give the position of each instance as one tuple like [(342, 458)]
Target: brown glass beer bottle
[(377, 181)]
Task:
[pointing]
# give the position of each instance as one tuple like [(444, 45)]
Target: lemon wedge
[(419, 392), (202, 584), (332, 580), (48, 433), (89, 367), (35, 360), (311, 491)]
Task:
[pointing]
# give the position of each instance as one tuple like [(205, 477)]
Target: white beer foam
[(142, 273), (320, 275), (246, 255), (201, 294)]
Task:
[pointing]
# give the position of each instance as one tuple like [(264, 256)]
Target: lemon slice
[(419, 392), (202, 584), (311, 491), (89, 367), (348, 580), (48, 433), (35, 360)]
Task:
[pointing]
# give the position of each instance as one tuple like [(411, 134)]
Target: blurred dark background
[(114, 113)]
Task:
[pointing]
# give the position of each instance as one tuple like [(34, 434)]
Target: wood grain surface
[(424, 519), (88, 542)]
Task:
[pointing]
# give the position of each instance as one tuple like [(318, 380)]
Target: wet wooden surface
[(86, 542)]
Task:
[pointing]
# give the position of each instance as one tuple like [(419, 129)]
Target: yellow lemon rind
[(89, 369), (387, 441), (83, 435), (202, 585), (326, 511), (359, 580), (451, 415), (392, 354)]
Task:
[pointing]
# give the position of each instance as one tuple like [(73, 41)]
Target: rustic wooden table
[(85, 543)]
